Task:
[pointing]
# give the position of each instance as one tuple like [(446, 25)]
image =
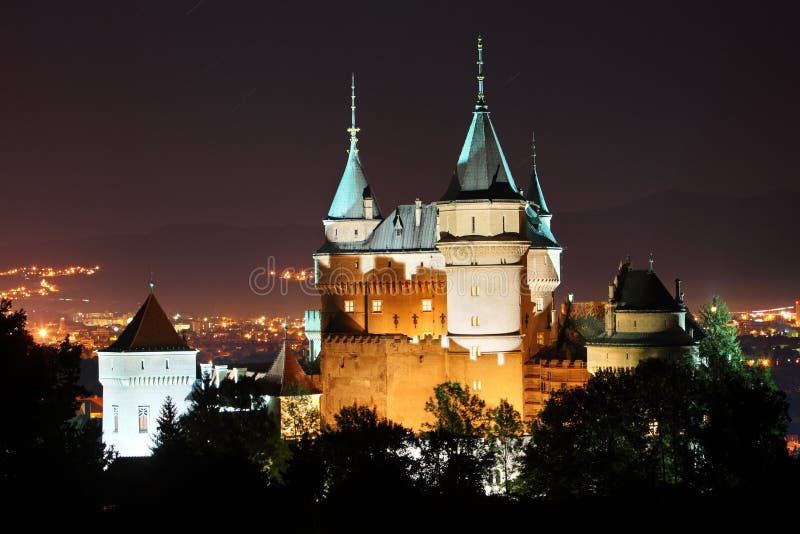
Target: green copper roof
[(482, 170), (537, 232), (348, 202), (535, 194)]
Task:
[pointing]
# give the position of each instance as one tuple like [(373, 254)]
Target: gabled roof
[(482, 170), (150, 330), (286, 377), (386, 238), (641, 290), (348, 202)]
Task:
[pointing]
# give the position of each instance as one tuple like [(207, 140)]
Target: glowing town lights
[(713, 309), (43, 333)]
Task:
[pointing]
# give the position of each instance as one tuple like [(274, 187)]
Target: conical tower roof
[(150, 330), (348, 202), (286, 377), (482, 170), (534, 194)]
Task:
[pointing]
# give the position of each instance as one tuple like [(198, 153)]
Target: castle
[(459, 289)]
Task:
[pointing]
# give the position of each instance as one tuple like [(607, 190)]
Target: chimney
[(678, 292), (368, 207), (611, 292), (417, 212)]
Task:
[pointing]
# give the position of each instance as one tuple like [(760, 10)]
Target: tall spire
[(353, 130), (481, 105), (348, 202), (534, 193)]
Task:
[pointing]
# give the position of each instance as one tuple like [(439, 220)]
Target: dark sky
[(126, 116)]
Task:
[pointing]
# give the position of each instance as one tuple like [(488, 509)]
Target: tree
[(45, 440), (168, 432), (455, 459), (719, 349), (299, 414), (505, 431), (231, 423), (368, 456), (746, 416), (668, 426)]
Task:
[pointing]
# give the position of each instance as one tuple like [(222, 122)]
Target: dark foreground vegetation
[(668, 446)]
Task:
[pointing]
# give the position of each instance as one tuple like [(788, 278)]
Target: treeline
[(670, 438)]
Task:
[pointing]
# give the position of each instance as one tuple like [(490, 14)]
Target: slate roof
[(348, 202), (641, 290), (286, 377), (385, 237), (482, 170), (150, 330)]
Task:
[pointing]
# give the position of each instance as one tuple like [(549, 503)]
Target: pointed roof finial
[(652, 262), (481, 105), (533, 147), (353, 130), (152, 283)]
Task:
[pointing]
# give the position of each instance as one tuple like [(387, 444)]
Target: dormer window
[(398, 232)]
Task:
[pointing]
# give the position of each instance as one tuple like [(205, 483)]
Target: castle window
[(476, 385), (142, 364), (475, 291), (504, 224), (476, 321), (427, 305), (501, 358), (474, 352), (473, 225), (144, 416), (377, 306), (540, 338), (356, 231), (115, 411), (390, 264), (539, 304), (349, 306), (398, 232), (167, 362)]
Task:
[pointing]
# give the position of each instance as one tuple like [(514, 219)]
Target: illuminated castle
[(458, 289)]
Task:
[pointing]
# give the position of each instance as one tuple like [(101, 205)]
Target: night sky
[(121, 118)]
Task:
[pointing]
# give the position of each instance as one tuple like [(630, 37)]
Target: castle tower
[(146, 364), (543, 266), (353, 214), (642, 321)]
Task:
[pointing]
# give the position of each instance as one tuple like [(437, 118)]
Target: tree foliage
[(44, 440), (455, 459), (668, 425), (505, 430)]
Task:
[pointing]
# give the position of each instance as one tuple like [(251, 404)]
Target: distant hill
[(745, 249)]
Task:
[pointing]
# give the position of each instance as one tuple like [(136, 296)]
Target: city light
[(43, 333)]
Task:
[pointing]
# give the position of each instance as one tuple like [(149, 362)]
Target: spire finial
[(533, 148), (652, 262), (481, 105), (353, 130)]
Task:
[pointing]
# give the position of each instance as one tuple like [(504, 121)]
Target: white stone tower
[(146, 364)]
